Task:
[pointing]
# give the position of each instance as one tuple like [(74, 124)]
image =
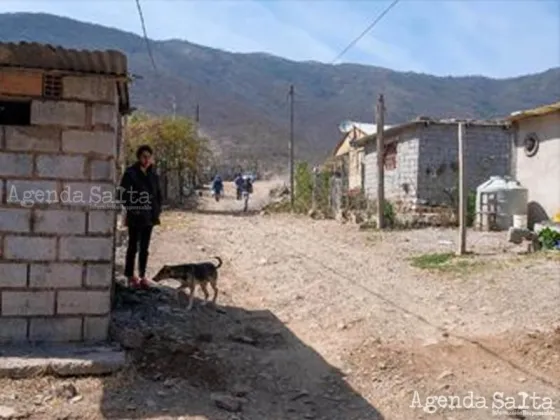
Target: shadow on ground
[(219, 363)]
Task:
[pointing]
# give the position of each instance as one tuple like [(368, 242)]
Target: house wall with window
[(421, 161), (400, 163), (537, 163), (58, 152)]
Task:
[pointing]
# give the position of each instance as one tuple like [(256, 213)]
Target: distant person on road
[(141, 197), (217, 185), (248, 185), (238, 181)]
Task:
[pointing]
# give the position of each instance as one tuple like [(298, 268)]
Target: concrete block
[(55, 275), (29, 248), (102, 170), (60, 360), (101, 221), (13, 275), (13, 330), (55, 329), (91, 194), (28, 193), (61, 166), (99, 275), (32, 303), (85, 302), (69, 114), (15, 220), (60, 221), (93, 88), (19, 82), (89, 249), (16, 165), (105, 115), (39, 139), (90, 142), (96, 328)]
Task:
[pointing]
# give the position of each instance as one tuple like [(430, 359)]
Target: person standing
[(141, 197)]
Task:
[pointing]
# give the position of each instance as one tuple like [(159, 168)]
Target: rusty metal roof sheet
[(32, 55), (535, 112), (47, 57)]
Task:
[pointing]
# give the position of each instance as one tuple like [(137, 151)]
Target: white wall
[(540, 173)]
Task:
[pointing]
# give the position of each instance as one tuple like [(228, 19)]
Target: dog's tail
[(219, 262)]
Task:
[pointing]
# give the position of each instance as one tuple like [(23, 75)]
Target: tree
[(176, 143)]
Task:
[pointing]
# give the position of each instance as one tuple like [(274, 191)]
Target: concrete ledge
[(62, 360)]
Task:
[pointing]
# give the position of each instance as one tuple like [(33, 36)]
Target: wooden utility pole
[(380, 120), (462, 244), (291, 146)]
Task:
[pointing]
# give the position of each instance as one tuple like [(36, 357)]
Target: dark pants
[(138, 242)]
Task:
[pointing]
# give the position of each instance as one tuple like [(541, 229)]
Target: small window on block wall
[(390, 158), (15, 112), (52, 86)]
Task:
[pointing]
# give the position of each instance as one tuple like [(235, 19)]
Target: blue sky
[(495, 38)]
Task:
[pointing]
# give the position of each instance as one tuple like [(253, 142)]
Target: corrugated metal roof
[(32, 55), (535, 112), (48, 57)]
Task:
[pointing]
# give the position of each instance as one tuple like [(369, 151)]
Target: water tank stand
[(488, 211)]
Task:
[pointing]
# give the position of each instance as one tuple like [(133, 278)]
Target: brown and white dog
[(192, 274)]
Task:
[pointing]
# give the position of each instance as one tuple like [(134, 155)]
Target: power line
[(369, 28), (148, 46)]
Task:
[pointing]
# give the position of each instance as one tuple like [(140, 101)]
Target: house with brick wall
[(420, 159), (536, 159), (60, 139)]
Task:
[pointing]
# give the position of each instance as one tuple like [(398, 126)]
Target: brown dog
[(192, 274)]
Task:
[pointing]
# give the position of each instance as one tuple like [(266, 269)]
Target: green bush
[(471, 208), (303, 179), (389, 214), (549, 238)]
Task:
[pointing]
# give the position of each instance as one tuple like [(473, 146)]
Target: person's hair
[(142, 149)]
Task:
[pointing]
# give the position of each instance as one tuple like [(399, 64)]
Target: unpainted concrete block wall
[(400, 182), (426, 170), (57, 216)]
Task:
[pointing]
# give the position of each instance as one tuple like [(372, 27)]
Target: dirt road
[(322, 321)]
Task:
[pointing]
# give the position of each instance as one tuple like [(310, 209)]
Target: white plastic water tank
[(510, 199)]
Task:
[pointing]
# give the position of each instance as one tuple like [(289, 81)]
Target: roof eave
[(535, 112)]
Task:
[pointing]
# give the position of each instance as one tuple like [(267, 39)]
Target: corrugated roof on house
[(49, 57), (33, 55), (399, 128), (535, 112)]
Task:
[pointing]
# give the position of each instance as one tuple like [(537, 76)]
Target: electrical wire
[(148, 46), (369, 28)]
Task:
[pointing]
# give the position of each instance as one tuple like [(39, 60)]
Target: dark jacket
[(141, 196)]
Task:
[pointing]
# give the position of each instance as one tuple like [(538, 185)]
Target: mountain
[(243, 97)]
